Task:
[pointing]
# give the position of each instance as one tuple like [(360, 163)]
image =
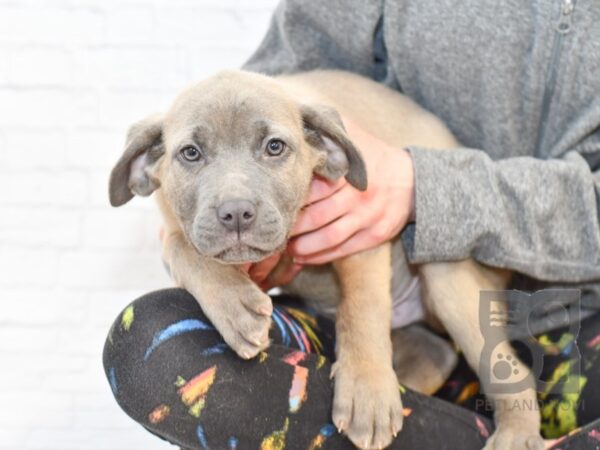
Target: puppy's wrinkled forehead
[(229, 108)]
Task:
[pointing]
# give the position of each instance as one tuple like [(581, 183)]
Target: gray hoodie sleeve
[(539, 217), (306, 35)]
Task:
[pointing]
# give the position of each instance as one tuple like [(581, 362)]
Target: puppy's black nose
[(236, 215)]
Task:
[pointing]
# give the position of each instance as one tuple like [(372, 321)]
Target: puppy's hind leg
[(453, 292), (422, 360)]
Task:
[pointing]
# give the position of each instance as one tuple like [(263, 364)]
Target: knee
[(143, 317), (142, 328)]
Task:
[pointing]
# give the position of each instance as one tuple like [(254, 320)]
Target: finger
[(321, 188), (319, 214), (327, 237), (245, 267), (363, 240), (283, 277), (261, 270)]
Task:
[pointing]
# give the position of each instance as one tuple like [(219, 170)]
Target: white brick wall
[(73, 75)]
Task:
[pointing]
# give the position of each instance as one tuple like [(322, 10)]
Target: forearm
[(538, 217)]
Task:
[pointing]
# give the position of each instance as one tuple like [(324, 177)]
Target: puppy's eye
[(275, 147), (190, 153)]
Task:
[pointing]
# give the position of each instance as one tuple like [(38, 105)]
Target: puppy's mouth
[(230, 247), (241, 253)]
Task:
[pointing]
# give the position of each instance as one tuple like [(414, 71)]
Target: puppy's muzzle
[(237, 215)]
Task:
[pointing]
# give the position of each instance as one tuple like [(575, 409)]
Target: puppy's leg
[(237, 308), (366, 401), (422, 360), (453, 291)]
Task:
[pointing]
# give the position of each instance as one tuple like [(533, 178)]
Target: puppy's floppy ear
[(324, 131), (133, 173)]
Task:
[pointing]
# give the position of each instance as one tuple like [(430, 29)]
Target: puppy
[(231, 163)]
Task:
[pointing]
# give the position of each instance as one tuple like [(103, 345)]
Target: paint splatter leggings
[(171, 372)]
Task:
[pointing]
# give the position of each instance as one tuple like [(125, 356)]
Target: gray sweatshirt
[(518, 83)]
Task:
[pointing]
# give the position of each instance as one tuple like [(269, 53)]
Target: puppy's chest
[(319, 288)]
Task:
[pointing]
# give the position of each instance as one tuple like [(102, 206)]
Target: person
[(518, 85)]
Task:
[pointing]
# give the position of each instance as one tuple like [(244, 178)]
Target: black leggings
[(171, 372)]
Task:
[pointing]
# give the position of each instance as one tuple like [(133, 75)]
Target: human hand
[(340, 220)]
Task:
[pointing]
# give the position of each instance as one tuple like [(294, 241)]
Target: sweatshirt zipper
[(562, 28)]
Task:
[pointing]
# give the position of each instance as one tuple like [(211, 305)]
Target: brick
[(185, 24), (233, 6), (80, 342), (12, 438), (41, 66), (207, 62), (102, 420), (39, 227), (43, 188), (94, 148), (35, 107), (4, 65), (135, 68), (14, 339), (112, 112), (85, 107), (21, 24), (98, 180), (35, 408), (90, 439), (74, 382), (121, 228), (34, 148), (114, 269), (131, 24), (45, 362), (3, 150), (44, 307), (28, 268), (97, 400)]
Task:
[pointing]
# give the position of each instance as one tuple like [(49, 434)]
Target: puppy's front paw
[(366, 403), (515, 437), (243, 319)]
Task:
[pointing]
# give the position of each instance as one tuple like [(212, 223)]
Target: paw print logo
[(505, 366), (514, 316), (505, 369)]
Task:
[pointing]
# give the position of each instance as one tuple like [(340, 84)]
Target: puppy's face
[(234, 157)]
